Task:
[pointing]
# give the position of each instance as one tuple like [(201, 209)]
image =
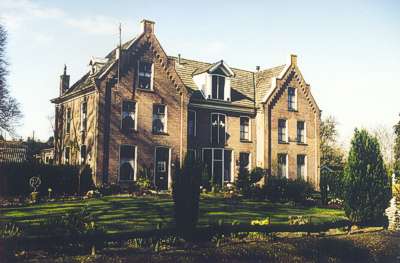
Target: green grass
[(120, 214)]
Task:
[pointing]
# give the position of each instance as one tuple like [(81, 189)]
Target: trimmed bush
[(186, 195), (298, 190), (62, 179)]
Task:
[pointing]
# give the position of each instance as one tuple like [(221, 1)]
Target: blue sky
[(348, 51)]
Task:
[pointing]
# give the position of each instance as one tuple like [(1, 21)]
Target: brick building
[(139, 108)]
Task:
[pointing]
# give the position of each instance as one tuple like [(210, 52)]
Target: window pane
[(244, 128), (244, 160), (192, 123), (282, 165), (227, 165), (214, 87), (145, 75), (127, 152), (221, 128), (159, 118), (214, 128), (221, 87), (301, 162)]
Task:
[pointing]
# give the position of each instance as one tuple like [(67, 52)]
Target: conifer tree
[(367, 186)]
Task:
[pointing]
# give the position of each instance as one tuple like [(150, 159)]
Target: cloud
[(98, 25), (15, 13)]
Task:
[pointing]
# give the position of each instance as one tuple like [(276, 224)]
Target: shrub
[(367, 186), (62, 179), (298, 190), (186, 195), (275, 188), (74, 223), (246, 182)]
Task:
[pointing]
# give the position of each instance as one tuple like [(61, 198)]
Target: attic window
[(218, 87), (145, 72)]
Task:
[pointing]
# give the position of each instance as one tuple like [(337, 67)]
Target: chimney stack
[(147, 26), (64, 81), (179, 59), (258, 68)]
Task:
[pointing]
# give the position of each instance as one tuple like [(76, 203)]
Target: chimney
[(64, 81), (147, 26), (258, 68), (293, 60), (179, 59)]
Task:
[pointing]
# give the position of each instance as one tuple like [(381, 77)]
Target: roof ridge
[(212, 63)]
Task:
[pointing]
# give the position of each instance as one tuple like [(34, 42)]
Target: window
[(218, 163), (244, 161), (145, 71), (83, 153), (128, 121), (84, 116), (282, 165), (244, 129), (301, 166), (292, 99), (68, 120), (218, 128), (66, 155), (191, 155), (161, 166), (192, 123), (301, 133), (127, 162), (218, 87), (159, 118), (282, 131)]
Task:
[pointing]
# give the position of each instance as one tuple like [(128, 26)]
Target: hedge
[(62, 179)]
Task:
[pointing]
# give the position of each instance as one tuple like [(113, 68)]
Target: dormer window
[(218, 87)]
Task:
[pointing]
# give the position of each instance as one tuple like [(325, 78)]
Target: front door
[(161, 168)]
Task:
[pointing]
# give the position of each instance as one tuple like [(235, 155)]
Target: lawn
[(123, 213)]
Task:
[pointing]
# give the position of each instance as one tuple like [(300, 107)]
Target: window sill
[(145, 90), (133, 131), (282, 142), (293, 110), (302, 143), (245, 141), (219, 100), (160, 133), (126, 181)]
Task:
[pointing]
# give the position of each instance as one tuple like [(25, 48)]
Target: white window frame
[(136, 113), (151, 77), (287, 164), (286, 139), (83, 129), (80, 153), (223, 162), (305, 166), (68, 120), (195, 122), (295, 99), (304, 132), (240, 119), (169, 165), (165, 116), (211, 127), (249, 165), (134, 161), (219, 76)]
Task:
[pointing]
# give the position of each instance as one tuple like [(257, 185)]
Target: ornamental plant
[(367, 186)]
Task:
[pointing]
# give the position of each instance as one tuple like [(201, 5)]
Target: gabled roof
[(213, 67), (242, 81), (104, 64)]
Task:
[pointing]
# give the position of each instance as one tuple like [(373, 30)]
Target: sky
[(348, 51)]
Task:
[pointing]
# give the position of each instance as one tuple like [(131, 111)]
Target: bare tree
[(9, 108), (385, 137)]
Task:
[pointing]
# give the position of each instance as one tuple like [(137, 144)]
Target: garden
[(283, 218)]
